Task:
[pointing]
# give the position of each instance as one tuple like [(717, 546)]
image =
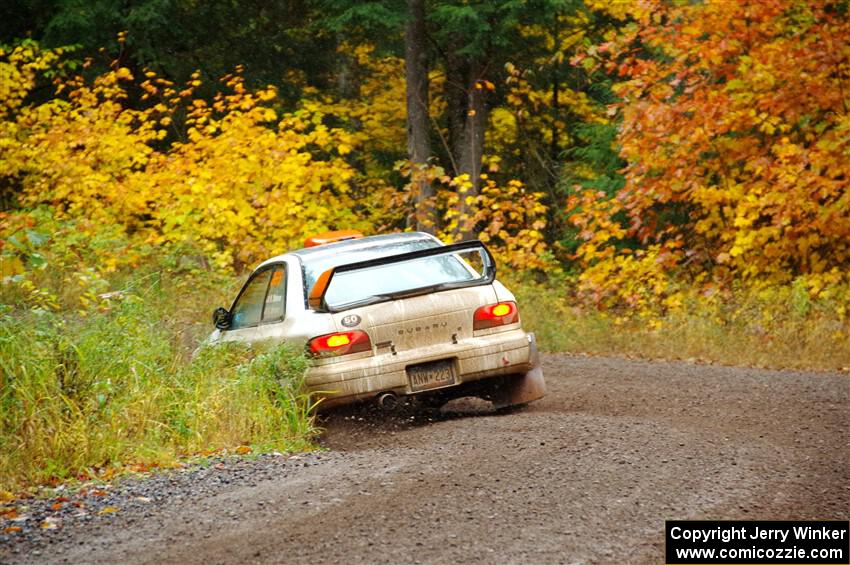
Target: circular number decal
[(351, 321)]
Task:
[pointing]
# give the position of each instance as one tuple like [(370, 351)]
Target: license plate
[(431, 375)]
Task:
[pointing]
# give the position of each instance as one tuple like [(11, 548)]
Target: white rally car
[(390, 316)]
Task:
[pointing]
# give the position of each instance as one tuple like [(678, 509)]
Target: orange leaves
[(735, 133), (593, 215)]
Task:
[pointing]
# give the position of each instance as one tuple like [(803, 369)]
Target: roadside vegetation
[(780, 328), (98, 376), (660, 179)]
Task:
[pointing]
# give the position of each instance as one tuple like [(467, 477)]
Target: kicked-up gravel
[(586, 475)]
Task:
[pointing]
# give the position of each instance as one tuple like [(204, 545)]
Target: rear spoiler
[(317, 294)]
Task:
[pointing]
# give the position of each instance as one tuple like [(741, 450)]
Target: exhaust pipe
[(388, 401)]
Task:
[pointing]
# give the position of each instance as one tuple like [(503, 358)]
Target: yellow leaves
[(10, 266), (268, 94), (230, 185), (19, 68), (506, 216), (249, 178), (638, 281)]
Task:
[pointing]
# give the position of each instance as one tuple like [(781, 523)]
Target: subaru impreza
[(389, 317)]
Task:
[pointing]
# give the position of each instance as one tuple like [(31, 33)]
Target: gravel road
[(586, 475)]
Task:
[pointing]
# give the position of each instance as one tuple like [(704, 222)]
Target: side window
[(249, 307), (275, 307), (264, 299)]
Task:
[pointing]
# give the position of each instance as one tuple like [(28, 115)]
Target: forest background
[(658, 178)]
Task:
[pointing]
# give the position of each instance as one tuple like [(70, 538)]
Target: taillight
[(341, 343), (494, 315)]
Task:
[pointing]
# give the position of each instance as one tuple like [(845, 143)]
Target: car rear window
[(357, 285), (314, 267)]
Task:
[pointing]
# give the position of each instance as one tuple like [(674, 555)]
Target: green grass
[(782, 330), (86, 391)]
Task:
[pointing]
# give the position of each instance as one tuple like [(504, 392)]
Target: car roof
[(320, 252)]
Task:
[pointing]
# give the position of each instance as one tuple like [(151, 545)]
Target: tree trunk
[(556, 90), (418, 127), (457, 71), (347, 79), (470, 145)]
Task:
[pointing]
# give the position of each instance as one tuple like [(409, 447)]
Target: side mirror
[(221, 318)]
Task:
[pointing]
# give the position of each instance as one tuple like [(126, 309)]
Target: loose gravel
[(586, 475)]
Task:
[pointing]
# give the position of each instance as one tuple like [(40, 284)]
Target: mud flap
[(524, 388)]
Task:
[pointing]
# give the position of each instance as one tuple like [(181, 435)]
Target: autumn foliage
[(736, 133), (236, 177), (649, 171), (731, 124)]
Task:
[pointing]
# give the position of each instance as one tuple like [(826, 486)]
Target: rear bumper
[(478, 358)]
